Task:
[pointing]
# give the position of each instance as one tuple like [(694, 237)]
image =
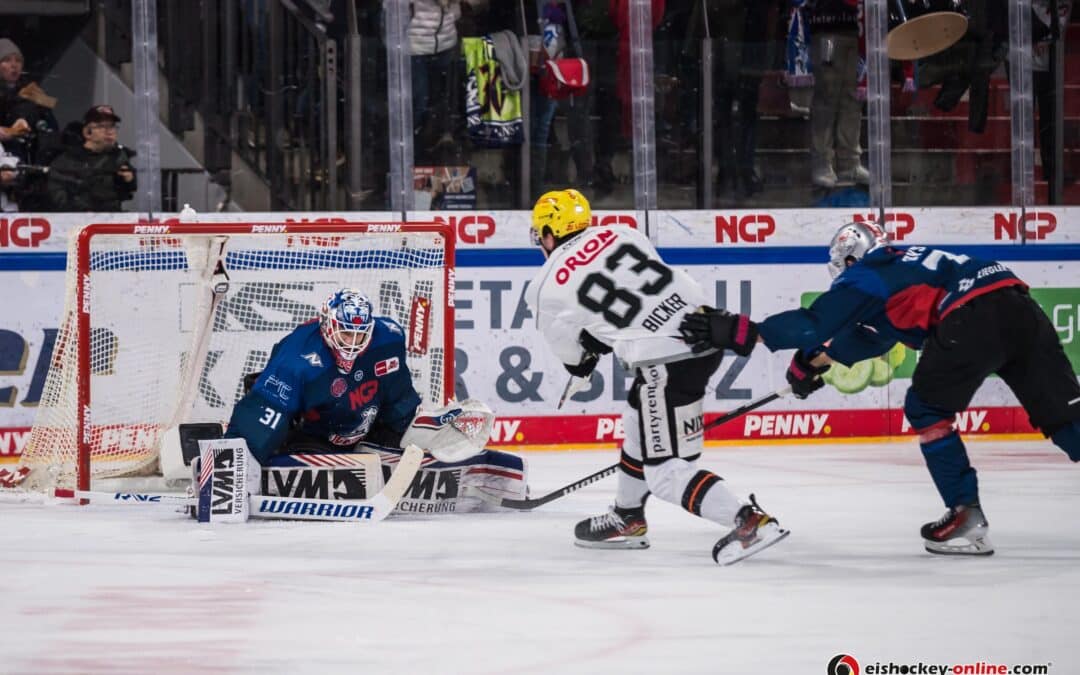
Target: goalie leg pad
[(225, 474), (314, 475), (444, 487)]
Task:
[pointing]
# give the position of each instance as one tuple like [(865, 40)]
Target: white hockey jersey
[(611, 282)]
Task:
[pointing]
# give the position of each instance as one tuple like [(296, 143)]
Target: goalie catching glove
[(452, 433), (710, 328)]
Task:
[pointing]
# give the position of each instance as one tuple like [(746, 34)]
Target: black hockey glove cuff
[(585, 367), (804, 377), (718, 328)]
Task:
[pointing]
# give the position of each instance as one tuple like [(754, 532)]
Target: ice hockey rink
[(103, 589)]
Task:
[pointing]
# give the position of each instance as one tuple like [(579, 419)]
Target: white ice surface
[(103, 589)]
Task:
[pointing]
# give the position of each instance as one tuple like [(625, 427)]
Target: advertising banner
[(755, 262)]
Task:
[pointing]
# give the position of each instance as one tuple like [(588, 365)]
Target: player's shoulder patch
[(387, 366)]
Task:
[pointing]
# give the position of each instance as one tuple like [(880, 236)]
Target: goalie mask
[(346, 322), (852, 242)]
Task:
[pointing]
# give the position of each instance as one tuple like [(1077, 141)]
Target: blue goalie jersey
[(301, 389), (891, 295)]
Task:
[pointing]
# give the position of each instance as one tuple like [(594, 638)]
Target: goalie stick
[(268, 506), (527, 504)]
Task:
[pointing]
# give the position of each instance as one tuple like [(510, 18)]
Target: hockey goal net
[(162, 321)]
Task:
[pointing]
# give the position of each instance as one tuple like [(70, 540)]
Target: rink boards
[(750, 261)]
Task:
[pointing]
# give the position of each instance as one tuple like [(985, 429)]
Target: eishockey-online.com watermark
[(845, 664)]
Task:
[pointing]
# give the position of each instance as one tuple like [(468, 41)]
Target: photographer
[(28, 130), (97, 175)]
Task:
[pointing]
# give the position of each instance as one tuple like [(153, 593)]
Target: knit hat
[(7, 48)]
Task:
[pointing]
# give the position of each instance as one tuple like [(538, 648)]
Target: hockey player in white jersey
[(606, 289)]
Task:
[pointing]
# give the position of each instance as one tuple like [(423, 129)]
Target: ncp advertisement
[(756, 262)]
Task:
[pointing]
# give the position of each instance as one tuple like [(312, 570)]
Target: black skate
[(754, 531), (966, 523), (618, 528)]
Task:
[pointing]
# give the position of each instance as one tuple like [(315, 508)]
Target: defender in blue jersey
[(971, 318)]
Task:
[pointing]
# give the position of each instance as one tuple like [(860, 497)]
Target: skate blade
[(978, 546), (622, 542), (767, 536)]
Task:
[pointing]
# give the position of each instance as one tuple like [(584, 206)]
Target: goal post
[(162, 321)]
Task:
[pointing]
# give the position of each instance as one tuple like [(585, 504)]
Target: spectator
[(433, 42), (1042, 42), (22, 186), (741, 32), (28, 128), (559, 41), (97, 175), (836, 111), (620, 15), (8, 182)]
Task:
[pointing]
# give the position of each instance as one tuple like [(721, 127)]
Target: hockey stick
[(293, 508), (527, 504), (742, 410)]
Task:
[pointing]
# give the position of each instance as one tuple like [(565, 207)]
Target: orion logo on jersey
[(843, 664), (584, 254)]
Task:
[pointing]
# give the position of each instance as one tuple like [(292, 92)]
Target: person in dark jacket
[(97, 175), (28, 128)]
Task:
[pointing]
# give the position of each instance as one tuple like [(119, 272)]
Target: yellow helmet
[(564, 212)]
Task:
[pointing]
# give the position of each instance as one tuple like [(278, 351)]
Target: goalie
[(340, 385)]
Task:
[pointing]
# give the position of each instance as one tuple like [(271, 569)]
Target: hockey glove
[(718, 328), (804, 377), (594, 349), (585, 367)]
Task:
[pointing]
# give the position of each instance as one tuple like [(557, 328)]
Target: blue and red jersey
[(302, 388), (891, 295)]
